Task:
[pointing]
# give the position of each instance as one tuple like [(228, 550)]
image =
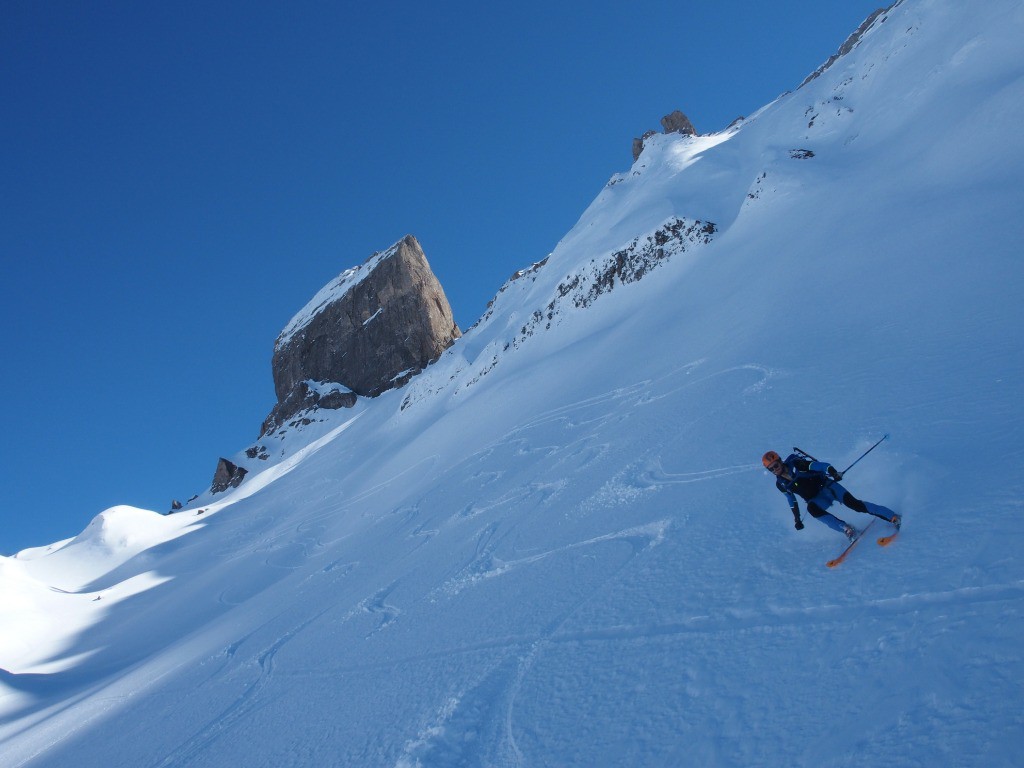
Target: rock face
[(305, 396), (851, 42), (228, 475), (368, 331), (676, 122), (638, 144)]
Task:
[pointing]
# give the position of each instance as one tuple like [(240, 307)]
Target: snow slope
[(557, 546)]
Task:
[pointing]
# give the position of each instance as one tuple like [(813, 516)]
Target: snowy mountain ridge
[(556, 545)]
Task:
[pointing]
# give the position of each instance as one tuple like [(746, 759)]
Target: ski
[(833, 563), (885, 541)]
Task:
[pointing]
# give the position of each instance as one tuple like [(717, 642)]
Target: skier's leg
[(827, 518), (867, 507)]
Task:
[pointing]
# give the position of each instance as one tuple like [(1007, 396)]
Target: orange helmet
[(770, 458)]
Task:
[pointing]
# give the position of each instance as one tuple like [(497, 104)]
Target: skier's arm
[(826, 469), (795, 509)]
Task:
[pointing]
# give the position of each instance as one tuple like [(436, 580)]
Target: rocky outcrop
[(622, 267), (638, 144), (368, 331), (228, 475), (306, 396), (851, 42), (257, 452), (675, 122)]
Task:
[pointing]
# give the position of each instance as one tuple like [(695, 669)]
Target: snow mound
[(122, 530), (114, 537)]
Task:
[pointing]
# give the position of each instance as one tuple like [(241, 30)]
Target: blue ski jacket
[(808, 478)]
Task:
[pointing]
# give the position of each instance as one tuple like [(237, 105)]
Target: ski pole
[(869, 450)]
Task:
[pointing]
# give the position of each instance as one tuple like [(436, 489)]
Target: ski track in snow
[(261, 539), (769, 620), (486, 566), (241, 707), (486, 709), (440, 742), (487, 706)]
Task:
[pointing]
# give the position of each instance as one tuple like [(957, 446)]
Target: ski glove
[(834, 473)]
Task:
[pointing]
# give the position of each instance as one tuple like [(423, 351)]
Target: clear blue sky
[(178, 179)]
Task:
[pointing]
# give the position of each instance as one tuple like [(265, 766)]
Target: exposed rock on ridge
[(676, 122), (369, 330), (851, 42), (628, 265), (576, 291), (307, 396), (228, 475)]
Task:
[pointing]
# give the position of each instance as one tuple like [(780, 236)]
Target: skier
[(818, 483)]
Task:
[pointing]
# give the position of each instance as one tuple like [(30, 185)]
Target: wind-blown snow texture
[(557, 546)]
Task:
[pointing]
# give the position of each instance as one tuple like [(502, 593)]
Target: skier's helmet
[(770, 458)]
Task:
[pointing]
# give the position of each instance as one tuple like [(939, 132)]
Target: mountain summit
[(367, 331)]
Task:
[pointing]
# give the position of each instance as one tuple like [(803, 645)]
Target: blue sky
[(178, 179)]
